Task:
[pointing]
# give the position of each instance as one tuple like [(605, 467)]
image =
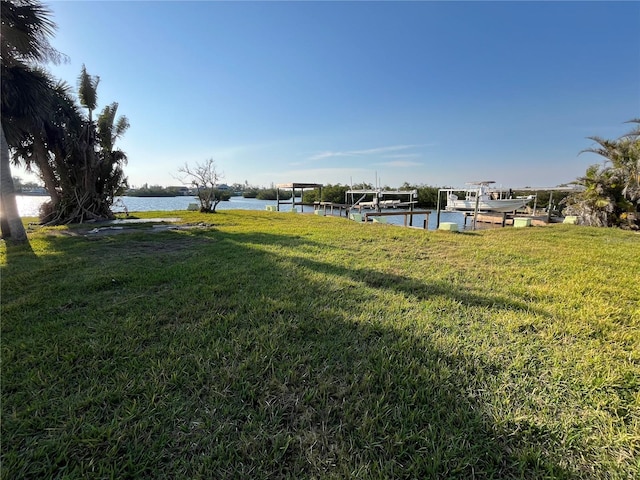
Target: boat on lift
[(481, 197)]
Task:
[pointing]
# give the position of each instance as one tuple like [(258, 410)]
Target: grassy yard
[(275, 345)]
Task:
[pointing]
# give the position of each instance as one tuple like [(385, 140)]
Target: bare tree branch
[(204, 177)]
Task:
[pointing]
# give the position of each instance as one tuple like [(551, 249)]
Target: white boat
[(485, 199)]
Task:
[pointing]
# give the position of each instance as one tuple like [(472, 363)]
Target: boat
[(481, 197)]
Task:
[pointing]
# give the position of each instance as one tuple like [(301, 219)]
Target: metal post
[(411, 209), (438, 211), (535, 203), (475, 212)]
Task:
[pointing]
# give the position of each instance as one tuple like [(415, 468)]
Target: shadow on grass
[(21, 253), (240, 366), (375, 279)]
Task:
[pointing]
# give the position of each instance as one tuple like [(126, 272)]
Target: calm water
[(28, 206)]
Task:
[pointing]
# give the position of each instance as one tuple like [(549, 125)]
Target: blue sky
[(434, 93)]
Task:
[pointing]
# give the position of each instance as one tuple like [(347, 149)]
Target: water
[(28, 206)]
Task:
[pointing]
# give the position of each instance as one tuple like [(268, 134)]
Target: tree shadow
[(411, 287), (280, 376), (369, 398), (19, 253)]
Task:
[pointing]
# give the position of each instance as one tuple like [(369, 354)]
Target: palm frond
[(88, 90), (26, 29), (105, 126), (25, 100), (122, 125), (635, 132)]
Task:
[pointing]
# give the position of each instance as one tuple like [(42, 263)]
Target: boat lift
[(534, 196), (293, 187), (378, 202)]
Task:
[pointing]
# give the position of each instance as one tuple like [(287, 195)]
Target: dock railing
[(324, 206)]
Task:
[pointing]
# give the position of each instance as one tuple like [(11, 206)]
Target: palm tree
[(10, 223), (623, 157), (88, 91), (26, 29), (631, 162), (22, 123), (601, 202), (73, 154), (43, 143), (78, 155), (110, 129), (88, 97)]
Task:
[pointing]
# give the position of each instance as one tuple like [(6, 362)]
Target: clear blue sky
[(435, 93)]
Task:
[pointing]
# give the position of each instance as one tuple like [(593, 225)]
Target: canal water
[(29, 206)]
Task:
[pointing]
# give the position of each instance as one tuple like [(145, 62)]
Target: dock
[(408, 216), (330, 206), (505, 219)]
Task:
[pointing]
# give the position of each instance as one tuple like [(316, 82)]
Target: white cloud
[(363, 152), (399, 163), (399, 156), (392, 148), (323, 155)]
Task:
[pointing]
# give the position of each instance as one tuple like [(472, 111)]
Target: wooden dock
[(408, 216), (505, 219)]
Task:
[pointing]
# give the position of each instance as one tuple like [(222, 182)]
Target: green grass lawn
[(275, 345)]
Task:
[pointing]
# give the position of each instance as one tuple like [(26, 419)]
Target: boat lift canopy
[(301, 186), (378, 201)]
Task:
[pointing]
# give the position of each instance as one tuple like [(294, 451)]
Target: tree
[(93, 164), (612, 191), (330, 193), (110, 129), (44, 127), (41, 142), (204, 177), (629, 163), (10, 223), (427, 196), (74, 154), (26, 29), (624, 156), (601, 203)]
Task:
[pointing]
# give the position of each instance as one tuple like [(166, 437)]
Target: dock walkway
[(408, 216)]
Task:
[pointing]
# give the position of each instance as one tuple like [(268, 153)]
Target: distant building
[(180, 190)]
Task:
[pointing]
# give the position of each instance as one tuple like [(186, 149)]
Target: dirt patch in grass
[(158, 245), (116, 230), (106, 231), (166, 246)]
